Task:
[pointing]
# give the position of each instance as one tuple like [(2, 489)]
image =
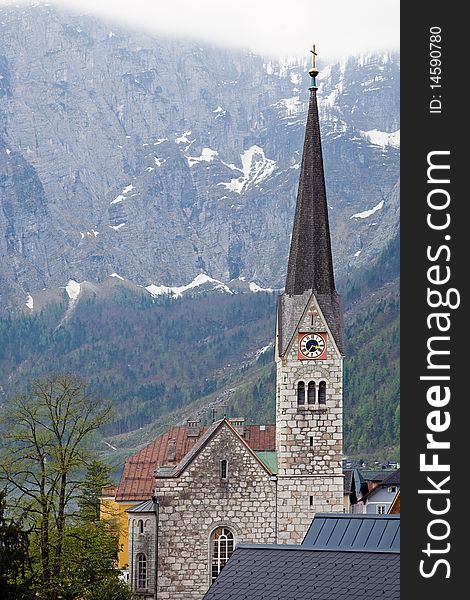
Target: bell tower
[(309, 355)]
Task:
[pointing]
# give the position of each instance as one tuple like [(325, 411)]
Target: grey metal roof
[(354, 532), (299, 573), (393, 478), (375, 475), (144, 507)]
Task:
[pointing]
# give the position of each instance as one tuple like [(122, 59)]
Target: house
[(378, 499)]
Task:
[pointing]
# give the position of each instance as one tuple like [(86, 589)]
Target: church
[(195, 492)]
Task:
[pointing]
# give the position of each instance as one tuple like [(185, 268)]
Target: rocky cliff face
[(157, 160)]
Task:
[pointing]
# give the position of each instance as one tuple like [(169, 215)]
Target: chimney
[(171, 451), (239, 425), (193, 428)]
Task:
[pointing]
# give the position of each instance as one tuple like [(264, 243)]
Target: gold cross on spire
[(314, 57)]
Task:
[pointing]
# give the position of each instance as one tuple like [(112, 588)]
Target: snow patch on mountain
[(263, 350), (183, 138), (290, 106), (176, 292), (296, 78), (30, 302), (219, 112), (117, 227), (117, 276), (382, 138), (255, 168), (73, 289), (368, 213), (254, 287), (158, 162), (92, 233), (207, 155), (122, 195)]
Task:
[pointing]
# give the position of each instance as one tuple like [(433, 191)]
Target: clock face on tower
[(312, 346)]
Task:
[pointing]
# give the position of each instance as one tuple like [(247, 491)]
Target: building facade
[(223, 488)]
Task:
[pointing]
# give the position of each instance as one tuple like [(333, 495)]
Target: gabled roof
[(376, 476), (138, 476), (354, 532), (391, 479), (201, 443), (300, 573)]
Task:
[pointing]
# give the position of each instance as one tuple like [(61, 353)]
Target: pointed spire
[(310, 261), (310, 267)]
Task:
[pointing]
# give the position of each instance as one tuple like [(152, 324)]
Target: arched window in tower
[(222, 545), (140, 526), (322, 392), (141, 561), (311, 392), (301, 393)]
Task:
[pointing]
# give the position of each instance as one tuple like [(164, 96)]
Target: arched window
[(140, 526), (301, 392), (311, 392), (222, 545), (141, 560), (322, 392)]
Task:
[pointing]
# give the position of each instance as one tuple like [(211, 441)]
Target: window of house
[(141, 571), (222, 545), (392, 489), (223, 469), (310, 501), (140, 526), (301, 393), (311, 392), (311, 441), (322, 392), (381, 509)]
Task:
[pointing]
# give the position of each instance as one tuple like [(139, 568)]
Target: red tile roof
[(137, 479)]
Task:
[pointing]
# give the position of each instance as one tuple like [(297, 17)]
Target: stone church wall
[(309, 437), (193, 505)]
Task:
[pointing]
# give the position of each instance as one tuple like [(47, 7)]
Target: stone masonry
[(310, 477), (194, 504)]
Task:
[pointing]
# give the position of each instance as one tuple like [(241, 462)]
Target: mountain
[(147, 191), (159, 160)]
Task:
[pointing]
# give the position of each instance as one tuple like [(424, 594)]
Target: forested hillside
[(162, 360)]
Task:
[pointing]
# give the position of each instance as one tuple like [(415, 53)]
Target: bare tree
[(46, 439)]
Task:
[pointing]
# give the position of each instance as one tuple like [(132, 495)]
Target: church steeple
[(309, 356), (310, 266), (310, 262)]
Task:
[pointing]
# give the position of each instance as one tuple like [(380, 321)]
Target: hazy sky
[(275, 27)]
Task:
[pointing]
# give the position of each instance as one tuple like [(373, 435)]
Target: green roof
[(269, 459)]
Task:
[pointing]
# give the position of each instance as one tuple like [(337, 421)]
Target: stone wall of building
[(309, 436), (194, 504), (142, 541)]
